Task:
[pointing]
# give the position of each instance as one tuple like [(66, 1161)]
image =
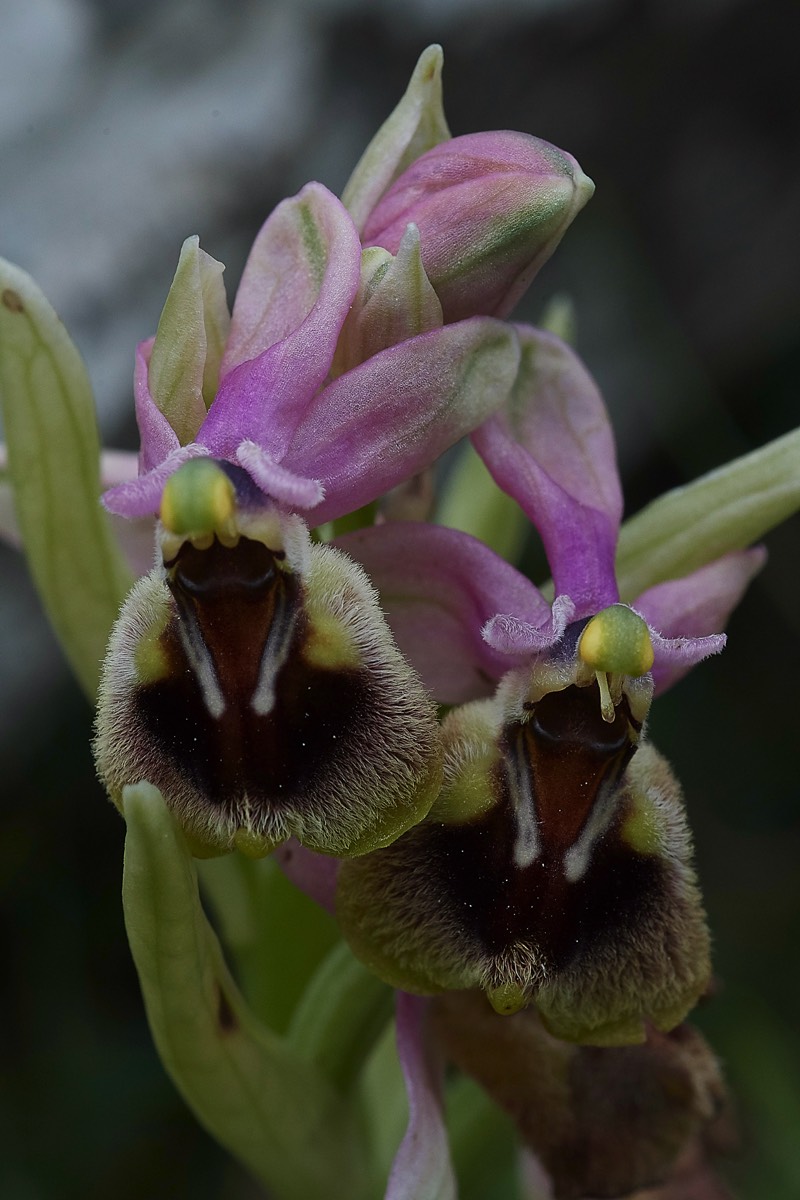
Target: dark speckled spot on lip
[(234, 598), (574, 759)]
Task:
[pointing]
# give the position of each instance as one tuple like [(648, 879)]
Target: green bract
[(394, 301), (725, 510), (262, 1100)]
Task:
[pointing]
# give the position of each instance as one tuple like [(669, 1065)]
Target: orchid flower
[(251, 676), (554, 868)]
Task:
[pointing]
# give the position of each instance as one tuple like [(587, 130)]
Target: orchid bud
[(490, 208), (252, 679)]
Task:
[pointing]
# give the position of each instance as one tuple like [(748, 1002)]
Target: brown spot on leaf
[(12, 300), (226, 1017)]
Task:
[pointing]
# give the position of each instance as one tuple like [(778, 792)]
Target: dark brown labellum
[(266, 702), (569, 885)]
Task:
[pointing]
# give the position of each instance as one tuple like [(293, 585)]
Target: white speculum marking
[(527, 846), (202, 664), (577, 858), (276, 650)]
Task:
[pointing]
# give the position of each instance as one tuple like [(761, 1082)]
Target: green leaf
[(483, 1143), (276, 935), (760, 1047), (251, 1091), (728, 509), (343, 1012), (416, 125), (54, 466)]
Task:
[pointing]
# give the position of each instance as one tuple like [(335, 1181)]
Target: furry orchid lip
[(252, 679)]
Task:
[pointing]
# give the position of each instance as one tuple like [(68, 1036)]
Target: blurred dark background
[(126, 126)]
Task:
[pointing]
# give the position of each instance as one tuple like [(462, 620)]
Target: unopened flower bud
[(490, 208)]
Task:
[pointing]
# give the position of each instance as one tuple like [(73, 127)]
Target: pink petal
[(438, 588), (508, 634), (136, 538), (289, 322), (551, 448), (157, 439), (306, 257), (674, 657), (392, 416), (536, 1183), (688, 609), (292, 491), (160, 453), (142, 497), (422, 1169), (314, 874)]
